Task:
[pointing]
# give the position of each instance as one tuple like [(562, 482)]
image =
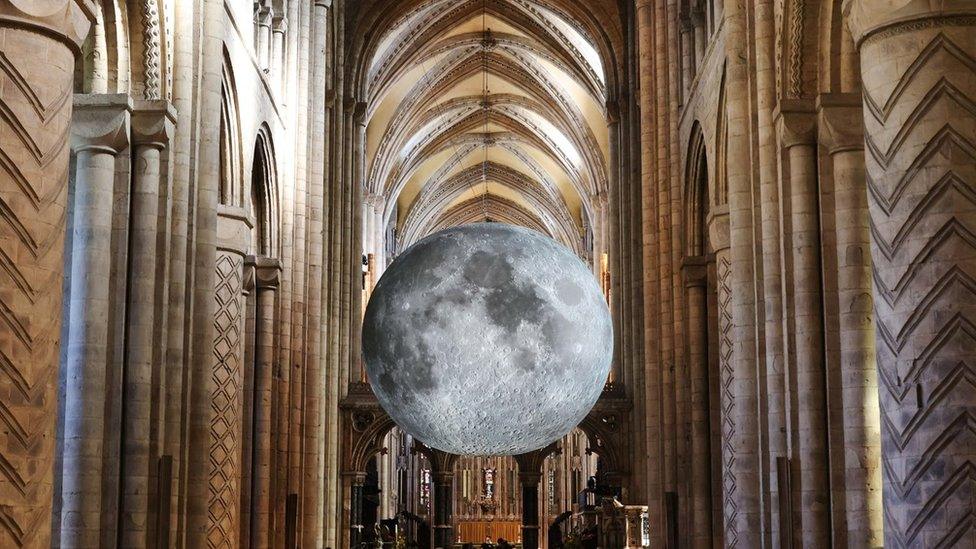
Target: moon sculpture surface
[(487, 339)]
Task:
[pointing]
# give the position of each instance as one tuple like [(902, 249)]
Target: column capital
[(530, 478), (599, 201), (68, 20), (719, 231), (101, 122), (866, 18), (694, 271), (153, 123), (796, 122), (249, 276), (267, 273), (613, 112), (840, 122), (359, 113), (279, 25), (531, 463), (442, 478), (263, 15), (356, 478), (373, 199)]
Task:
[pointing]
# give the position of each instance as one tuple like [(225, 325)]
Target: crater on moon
[(487, 339)]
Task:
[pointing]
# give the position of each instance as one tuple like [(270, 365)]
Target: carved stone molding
[(67, 20), (364, 426), (607, 428), (867, 18), (151, 50)]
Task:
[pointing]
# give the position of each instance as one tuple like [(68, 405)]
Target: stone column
[(797, 135), (688, 67), (100, 131), (918, 67), (746, 523), (152, 126), (223, 525), (279, 28), (40, 43), (696, 279), (443, 506), (262, 36), (700, 37), (267, 277), (841, 132), (529, 481)]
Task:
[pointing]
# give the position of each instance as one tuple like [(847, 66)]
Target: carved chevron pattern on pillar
[(225, 426), (35, 113), (726, 379), (921, 160)]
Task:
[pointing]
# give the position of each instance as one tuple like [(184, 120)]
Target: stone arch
[(699, 273), (720, 182), (838, 59), (601, 432), (104, 64), (231, 188), (264, 195), (603, 28), (370, 428), (696, 195)]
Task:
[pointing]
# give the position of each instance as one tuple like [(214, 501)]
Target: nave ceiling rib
[(533, 127)]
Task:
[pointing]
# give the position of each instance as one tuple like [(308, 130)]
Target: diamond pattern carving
[(225, 427)]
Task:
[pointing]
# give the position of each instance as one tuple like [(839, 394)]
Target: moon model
[(487, 339)]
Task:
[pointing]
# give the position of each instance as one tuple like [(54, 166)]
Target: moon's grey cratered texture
[(487, 339)]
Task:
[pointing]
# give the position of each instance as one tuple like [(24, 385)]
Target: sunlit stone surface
[(487, 339)]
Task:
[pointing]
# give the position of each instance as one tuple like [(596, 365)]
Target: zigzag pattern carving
[(727, 396), (35, 114), (921, 161), (225, 426)]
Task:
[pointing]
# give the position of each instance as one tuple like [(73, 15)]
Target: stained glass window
[(425, 489), (488, 483)]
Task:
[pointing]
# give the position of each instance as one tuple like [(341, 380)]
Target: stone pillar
[(746, 523), (152, 127), (262, 36), (700, 34), (796, 129), (688, 66), (40, 43), (356, 482), (267, 276), (443, 507), (279, 28), (100, 131), (918, 67), (530, 474), (841, 132), (227, 379), (696, 279)]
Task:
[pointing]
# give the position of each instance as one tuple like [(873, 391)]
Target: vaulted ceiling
[(486, 108)]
